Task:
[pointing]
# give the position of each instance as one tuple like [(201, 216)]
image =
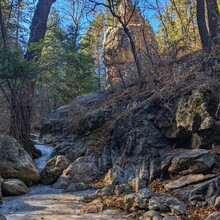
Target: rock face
[(53, 169), (118, 54), (15, 162), (14, 187)]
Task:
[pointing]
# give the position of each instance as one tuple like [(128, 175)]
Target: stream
[(45, 203)]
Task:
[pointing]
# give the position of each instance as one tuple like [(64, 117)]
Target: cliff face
[(118, 55)]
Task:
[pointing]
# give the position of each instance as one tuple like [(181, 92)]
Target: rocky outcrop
[(118, 54), (53, 169), (131, 142), (93, 207), (14, 187), (15, 162)]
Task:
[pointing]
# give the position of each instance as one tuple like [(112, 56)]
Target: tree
[(112, 7), (211, 37), (18, 80)]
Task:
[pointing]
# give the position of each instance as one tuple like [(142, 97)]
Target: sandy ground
[(45, 203)]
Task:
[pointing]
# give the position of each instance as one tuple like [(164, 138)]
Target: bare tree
[(124, 20)]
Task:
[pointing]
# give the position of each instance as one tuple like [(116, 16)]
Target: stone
[(167, 203), (84, 169), (106, 191), (2, 217), (217, 202), (53, 169), (62, 183), (93, 207), (1, 181), (137, 200), (14, 187), (213, 216), (200, 193), (123, 189), (171, 218), (151, 215), (191, 162), (74, 187), (187, 180), (15, 162)]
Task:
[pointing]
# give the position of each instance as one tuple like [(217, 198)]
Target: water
[(46, 154)]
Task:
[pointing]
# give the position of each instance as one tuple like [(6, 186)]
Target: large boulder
[(15, 162), (14, 187), (53, 169), (84, 169)]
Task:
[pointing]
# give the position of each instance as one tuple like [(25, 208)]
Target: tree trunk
[(203, 31), (213, 19), (22, 98)]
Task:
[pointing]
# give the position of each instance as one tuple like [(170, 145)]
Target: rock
[(84, 169), (123, 189), (137, 200), (74, 187), (2, 217), (14, 187), (151, 215), (53, 169), (15, 162), (106, 191), (118, 55), (167, 203), (201, 193), (93, 207), (213, 216), (171, 218), (62, 183), (217, 202), (191, 161), (187, 180), (1, 181), (89, 198)]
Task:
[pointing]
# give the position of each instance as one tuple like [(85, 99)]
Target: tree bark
[(213, 19), (203, 31), (22, 98)]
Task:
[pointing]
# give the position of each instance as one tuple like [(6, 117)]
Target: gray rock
[(105, 191), (2, 217), (1, 181), (74, 187), (84, 169), (171, 218), (191, 161), (187, 180), (217, 202), (62, 183), (14, 187), (167, 203), (213, 216), (200, 193), (93, 207), (151, 215), (15, 162), (53, 169), (123, 189)]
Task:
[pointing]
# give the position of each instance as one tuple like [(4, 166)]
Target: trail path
[(46, 203)]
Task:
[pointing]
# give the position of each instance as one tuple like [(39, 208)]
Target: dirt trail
[(45, 203)]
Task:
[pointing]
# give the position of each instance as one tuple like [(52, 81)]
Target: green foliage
[(13, 66), (66, 67)]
